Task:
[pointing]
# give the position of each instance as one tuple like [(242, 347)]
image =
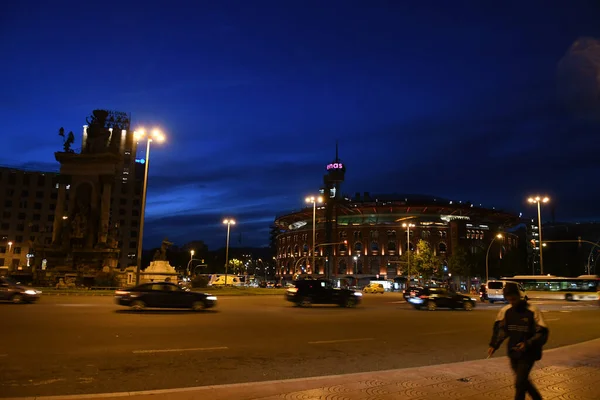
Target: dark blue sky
[(457, 99)]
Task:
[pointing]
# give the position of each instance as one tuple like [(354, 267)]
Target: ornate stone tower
[(333, 179)]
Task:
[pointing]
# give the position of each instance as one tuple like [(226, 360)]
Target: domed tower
[(333, 179)]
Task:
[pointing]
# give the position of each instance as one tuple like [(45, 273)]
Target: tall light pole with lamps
[(408, 226), (138, 136), (487, 257), (187, 269), (539, 200), (314, 201), (228, 222)]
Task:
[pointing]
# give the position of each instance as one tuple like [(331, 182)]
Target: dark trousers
[(522, 368)]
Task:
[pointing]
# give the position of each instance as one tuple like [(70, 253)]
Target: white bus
[(584, 287)]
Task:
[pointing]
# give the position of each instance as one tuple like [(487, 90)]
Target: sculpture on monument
[(97, 133), (68, 141), (161, 254)]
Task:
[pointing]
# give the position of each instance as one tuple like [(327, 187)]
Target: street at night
[(80, 344)]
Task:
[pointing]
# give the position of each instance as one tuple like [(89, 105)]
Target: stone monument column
[(104, 211), (59, 212)]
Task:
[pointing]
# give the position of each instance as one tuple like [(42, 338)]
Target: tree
[(237, 267), (460, 263), (424, 261)]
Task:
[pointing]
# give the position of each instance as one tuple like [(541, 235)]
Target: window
[(19, 239), (1, 260), (36, 217), (122, 211), (10, 192), (357, 246), (133, 234), (6, 214), (35, 228), (39, 194), (21, 216), (50, 218), (23, 204), (41, 181), (374, 235), (357, 235), (442, 247), (123, 202), (20, 227), (17, 250), (8, 203), (374, 246), (37, 206), (135, 213), (2, 250), (5, 226), (391, 246), (132, 245), (25, 193)]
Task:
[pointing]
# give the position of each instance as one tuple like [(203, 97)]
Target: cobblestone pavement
[(566, 373)]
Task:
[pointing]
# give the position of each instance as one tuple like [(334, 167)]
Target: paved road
[(68, 345)]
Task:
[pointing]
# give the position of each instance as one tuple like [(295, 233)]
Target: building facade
[(369, 236)]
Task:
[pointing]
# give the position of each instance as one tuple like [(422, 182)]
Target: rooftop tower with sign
[(333, 179)]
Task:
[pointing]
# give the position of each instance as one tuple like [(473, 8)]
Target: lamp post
[(159, 137), (187, 269), (408, 226), (538, 200), (487, 257), (228, 222), (314, 201), (9, 246)]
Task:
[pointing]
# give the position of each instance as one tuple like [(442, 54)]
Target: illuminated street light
[(228, 222), (487, 256), (538, 200), (408, 226), (9, 246), (138, 135), (314, 201)]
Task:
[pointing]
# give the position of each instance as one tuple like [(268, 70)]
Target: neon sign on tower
[(335, 166)]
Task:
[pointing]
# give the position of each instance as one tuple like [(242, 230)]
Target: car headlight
[(357, 293), (473, 298), (30, 292), (211, 298)]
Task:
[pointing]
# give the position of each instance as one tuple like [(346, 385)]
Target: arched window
[(391, 246), (358, 246), (357, 235), (374, 246), (343, 235), (342, 267), (374, 235), (289, 251), (343, 248), (296, 250), (359, 266), (305, 249), (442, 248)]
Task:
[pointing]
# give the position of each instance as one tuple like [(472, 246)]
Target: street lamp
[(538, 200), (138, 136), (9, 246), (314, 201), (408, 226), (228, 222), (187, 269), (487, 256)]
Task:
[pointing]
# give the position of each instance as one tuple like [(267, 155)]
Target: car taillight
[(121, 293), (423, 296), (292, 290)]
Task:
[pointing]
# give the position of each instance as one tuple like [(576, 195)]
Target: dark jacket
[(521, 323)]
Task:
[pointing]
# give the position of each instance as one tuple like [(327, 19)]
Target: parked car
[(321, 291), (374, 288), (434, 298), (12, 291), (495, 290), (163, 295)]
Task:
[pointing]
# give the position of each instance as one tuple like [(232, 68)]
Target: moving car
[(374, 288), (163, 295), (16, 293), (410, 292), (495, 290), (434, 298), (321, 291)]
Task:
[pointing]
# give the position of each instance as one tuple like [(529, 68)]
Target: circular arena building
[(367, 234)]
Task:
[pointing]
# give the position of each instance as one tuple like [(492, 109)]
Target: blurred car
[(17, 294), (163, 295), (434, 298), (410, 291), (483, 295), (374, 288), (270, 285), (321, 291)]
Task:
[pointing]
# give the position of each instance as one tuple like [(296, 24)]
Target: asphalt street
[(70, 345)]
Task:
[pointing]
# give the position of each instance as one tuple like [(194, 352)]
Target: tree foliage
[(424, 261), (237, 266), (460, 263)]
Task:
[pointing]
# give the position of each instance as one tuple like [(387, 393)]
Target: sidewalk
[(571, 372)]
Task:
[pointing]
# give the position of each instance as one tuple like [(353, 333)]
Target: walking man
[(524, 326)]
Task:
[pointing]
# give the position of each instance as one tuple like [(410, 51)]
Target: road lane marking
[(341, 341), (564, 311), (552, 319), (179, 350)]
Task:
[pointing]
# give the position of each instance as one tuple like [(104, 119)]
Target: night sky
[(455, 99)]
